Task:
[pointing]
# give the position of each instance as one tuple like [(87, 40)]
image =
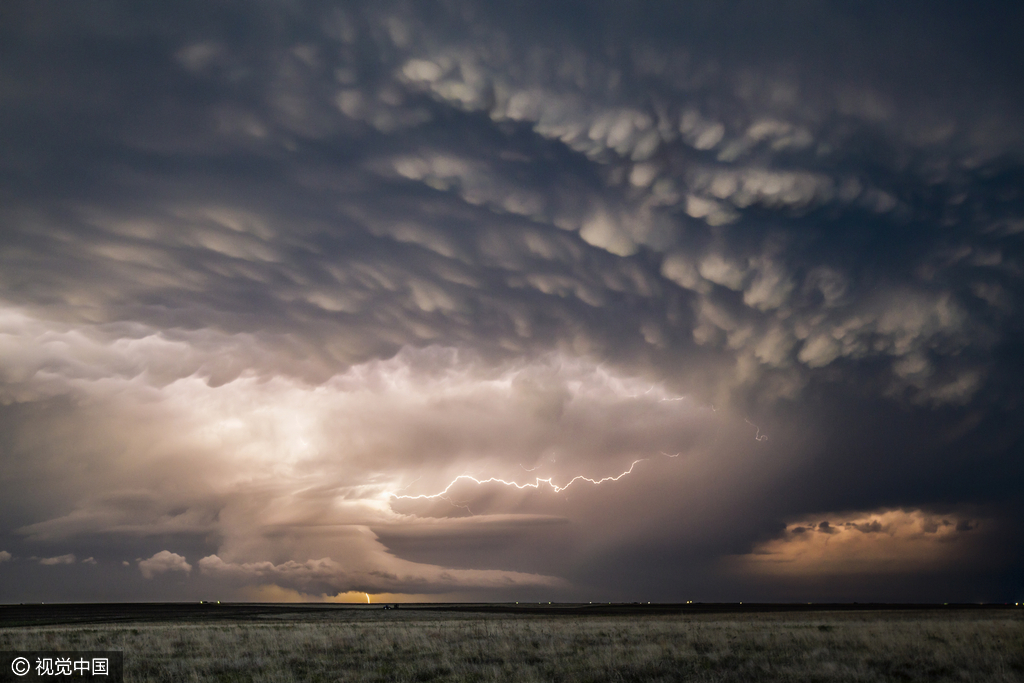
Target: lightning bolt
[(539, 481), (535, 485), (457, 505), (758, 436), (410, 483)]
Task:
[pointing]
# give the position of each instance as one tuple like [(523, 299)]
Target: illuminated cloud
[(886, 542), (162, 562), (60, 559), (5, 556)]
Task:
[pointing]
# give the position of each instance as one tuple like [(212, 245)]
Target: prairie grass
[(431, 646)]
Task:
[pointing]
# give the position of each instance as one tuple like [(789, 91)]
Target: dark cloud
[(265, 268)]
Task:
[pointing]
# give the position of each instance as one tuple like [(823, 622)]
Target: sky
[(472, 301)]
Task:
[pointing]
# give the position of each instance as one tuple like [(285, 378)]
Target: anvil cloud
[(270, 274)]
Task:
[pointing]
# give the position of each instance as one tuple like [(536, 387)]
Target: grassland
[(415, 645)]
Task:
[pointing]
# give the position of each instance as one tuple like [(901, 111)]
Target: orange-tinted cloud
[(881, 542)]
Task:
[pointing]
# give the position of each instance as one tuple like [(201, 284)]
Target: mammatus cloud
[(162, 562), (661, 170)]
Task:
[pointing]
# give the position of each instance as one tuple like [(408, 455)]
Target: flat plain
[(281, 643)]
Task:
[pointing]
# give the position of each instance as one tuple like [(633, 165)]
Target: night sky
[(569, 301)]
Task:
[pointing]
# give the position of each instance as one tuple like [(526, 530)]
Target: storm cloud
[(280, 284)]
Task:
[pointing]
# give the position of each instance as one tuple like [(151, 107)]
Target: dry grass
[(424, 646)]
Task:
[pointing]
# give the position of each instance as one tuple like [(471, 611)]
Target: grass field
[(423, 645)]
